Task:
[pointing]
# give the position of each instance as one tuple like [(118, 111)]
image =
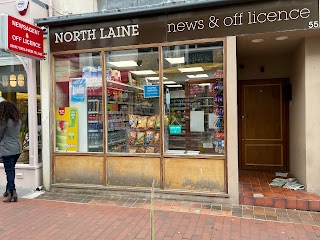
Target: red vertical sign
[(24, 38)]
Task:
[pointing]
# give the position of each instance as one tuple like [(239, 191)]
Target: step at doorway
[(254, 190)]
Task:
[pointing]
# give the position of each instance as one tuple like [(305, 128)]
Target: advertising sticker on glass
[(78, 89)]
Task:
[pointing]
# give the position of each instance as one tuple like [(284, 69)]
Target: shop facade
[(152, 96), (20, 83)]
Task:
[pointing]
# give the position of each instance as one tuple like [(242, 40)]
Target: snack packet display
[(142, 121), (132, 137), (156, 140), (133, 149), (156, 150), (166, 120), (149, 149), (151, 122), (133, 120), (141, 150), (149, 138), (140, 138), (157, 122)]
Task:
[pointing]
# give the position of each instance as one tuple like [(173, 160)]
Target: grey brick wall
[(127, 5)]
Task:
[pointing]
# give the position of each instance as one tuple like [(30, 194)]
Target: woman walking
[(10, 145)]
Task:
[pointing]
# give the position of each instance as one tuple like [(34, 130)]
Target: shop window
[(193, 84), (14, 87), (78, 103), (132, 81)]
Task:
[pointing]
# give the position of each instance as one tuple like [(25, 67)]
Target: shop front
[(20, 83), (152, 96)]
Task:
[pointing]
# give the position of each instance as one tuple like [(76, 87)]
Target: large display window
[(194, 101), (133, 120), (154, 113), (127, 104)]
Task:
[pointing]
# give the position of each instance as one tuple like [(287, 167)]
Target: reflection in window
[(14, 87), (79, 112), (194, 102), (133, 121)]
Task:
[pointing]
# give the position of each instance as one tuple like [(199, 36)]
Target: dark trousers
[(9, 163)]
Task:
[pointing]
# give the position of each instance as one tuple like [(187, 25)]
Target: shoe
[(5, 194), (12, 197)]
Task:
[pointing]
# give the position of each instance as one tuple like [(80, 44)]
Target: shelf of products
[(144, 134), (95, 119), (207, 98), (126, 102)]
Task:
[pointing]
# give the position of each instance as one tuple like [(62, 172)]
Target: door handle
[(243, 117)]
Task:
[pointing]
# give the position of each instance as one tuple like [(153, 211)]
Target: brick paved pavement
[(255, 212), (43, 219)]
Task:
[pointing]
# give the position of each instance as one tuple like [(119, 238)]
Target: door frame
[(286, 90)]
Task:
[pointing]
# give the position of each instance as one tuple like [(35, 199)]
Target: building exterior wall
[(232, 121), (105, 5), (312, 85), (297, 128), (274, 67), (45, 117), (62, 7)]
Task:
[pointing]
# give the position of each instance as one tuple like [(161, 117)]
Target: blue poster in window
[(78, 89), (151, 91)]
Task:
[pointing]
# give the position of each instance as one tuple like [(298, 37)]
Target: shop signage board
[(151, 91), (230, 20), (20, 38)]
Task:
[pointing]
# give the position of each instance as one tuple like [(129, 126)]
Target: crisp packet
[(151, 122), (157, 122), (140, 138), (133, 120), (132, 137), (142, 121), (149, 138)]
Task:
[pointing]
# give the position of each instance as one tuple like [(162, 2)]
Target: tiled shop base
[(254, 190), (256, 212)]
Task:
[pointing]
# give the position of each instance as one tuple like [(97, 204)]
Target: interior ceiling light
[(176, 60), (204, 84), (282, 38), (177, 85), (155, 78), (198, 76), (124, 64), (192, 69), (144, 72), (169, 82), (258, 40)]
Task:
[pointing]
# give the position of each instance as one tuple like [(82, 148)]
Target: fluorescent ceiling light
[(169, 82), (155, 78), (259, 40), (177, 85), (204, 84), (143, 72), (198, 76), (176, 60), (124, 64), (192, 69)]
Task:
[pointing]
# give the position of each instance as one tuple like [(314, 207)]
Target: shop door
[(263, 125)]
